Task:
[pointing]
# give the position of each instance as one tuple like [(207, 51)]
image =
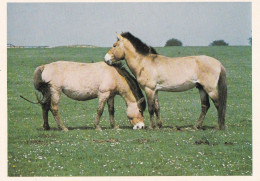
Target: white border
[(255, 99)]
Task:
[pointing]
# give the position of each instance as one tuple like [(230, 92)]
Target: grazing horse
[(85, 81), (155, 73)]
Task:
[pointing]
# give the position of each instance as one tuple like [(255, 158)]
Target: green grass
[(83, 151)]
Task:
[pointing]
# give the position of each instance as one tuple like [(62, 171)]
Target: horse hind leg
[(157, 111), (102, 99), (205, 105), (55, 96), (45, 111), (217, 102), (214, 96)]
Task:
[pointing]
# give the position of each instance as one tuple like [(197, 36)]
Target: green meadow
[(174, 150)]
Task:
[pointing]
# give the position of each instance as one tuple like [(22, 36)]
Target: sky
[(194, 24)]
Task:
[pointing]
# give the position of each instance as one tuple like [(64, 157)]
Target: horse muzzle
[(139, 125), (108, 59)]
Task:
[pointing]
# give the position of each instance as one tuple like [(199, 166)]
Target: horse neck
[(133, 61)]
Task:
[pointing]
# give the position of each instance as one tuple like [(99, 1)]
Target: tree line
[(176, 42)]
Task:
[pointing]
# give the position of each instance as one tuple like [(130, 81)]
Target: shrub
[(173, 42), (218, 43)]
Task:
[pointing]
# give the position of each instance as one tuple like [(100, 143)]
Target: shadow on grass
[(177, 128), (191, 127), (84, 128), (93, 128)]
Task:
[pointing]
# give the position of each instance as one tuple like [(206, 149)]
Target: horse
[(156, 72), (85, 81)]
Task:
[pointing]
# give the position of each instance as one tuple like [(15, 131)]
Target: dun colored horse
[(85, 81), (155, 73)]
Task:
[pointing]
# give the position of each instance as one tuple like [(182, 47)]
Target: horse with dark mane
[(156, 72)]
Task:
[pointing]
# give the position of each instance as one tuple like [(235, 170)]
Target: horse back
[(80, 81), (189, 65)]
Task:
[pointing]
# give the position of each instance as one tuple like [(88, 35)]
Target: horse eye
[(114, 46), (140, 110)]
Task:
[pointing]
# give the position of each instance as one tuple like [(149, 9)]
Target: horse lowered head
[(135, 114)]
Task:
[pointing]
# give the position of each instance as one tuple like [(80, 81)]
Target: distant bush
[(173, 42), (218, 43)]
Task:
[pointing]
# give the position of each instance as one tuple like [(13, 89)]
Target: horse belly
[(80, 95), (80, 89), (176, 87)]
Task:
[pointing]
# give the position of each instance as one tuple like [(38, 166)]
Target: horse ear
[(119, 36)]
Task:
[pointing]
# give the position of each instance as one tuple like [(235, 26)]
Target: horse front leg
[(111, 110), (150, 95), (101, 104)]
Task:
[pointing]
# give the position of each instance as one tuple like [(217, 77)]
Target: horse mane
[(133, 84), (140, 47)]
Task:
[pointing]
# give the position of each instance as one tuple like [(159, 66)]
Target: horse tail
[(222, 94), (41, 86), (37, 77)]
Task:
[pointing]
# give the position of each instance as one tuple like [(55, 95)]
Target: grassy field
[(83, 151)]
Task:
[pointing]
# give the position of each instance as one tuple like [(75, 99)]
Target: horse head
[(116, 53), (135, 114), (127, 45)]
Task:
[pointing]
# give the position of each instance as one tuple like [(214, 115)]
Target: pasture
[(170, 151)]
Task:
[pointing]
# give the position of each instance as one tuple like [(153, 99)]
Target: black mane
[(133, 84), (140, 47)]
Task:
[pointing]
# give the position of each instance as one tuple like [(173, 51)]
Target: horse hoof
[(159, 124), (46, 127), (150, 127), (98, 128), (65, 129), (195, 127), (157, 127), (220, 127), (116, 127)]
